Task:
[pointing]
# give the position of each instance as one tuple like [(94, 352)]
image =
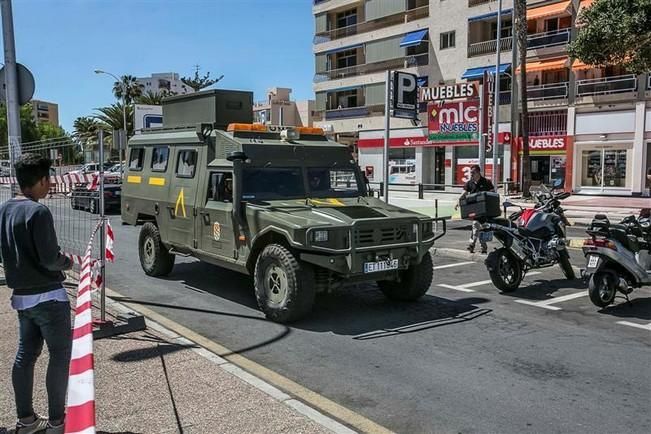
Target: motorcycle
[(531, 239), (614, 257)]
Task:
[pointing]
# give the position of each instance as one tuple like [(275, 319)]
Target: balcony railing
[(367, 68), (548, 39), (606, 85), (367, 26), (505, 97), (478, 2), (485, 47), (548, 91)]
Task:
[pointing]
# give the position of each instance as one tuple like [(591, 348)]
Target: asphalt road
[(464, 359)]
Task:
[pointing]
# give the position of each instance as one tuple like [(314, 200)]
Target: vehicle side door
[(182, 195), (215, 219)]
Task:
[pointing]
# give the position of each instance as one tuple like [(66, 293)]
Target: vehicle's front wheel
[(155, 259), (504, 269), (413, 282), (285, 289), (566, 265), (602, 288)]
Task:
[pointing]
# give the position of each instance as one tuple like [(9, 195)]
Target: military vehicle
[(287, 206)]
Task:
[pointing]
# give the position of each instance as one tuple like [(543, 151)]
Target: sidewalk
[(157, 382)]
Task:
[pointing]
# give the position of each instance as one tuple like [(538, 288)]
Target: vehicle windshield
[(332, 182), (267, 183)]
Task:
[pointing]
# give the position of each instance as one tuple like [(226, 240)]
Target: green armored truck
[(285, 205)]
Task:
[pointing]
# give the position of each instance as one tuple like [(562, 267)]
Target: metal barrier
[(506, 188)]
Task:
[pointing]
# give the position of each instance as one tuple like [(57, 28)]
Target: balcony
[(505, 97), (367, 26), (367, 68), (343, 113), (607, 85), (548, 91), (489, 47), (472, 3), (548, 39)]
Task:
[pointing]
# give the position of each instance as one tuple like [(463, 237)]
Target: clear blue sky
[(256, 44)]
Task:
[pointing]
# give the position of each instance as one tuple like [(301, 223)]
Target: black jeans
[(49, 322)]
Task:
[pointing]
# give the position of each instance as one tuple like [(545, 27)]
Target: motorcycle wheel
[(504, 269), (566, 266), (602, 288)]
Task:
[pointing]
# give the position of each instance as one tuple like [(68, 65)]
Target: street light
[(124, 112)]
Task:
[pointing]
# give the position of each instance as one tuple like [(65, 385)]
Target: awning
[(578, 66), (341, 89), (546, 65), (414, 38), (585, 4), (477, 73), (505, 12), (561, 8), (348, 47)]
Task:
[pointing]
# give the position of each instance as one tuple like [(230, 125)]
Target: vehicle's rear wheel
[(155, 259), (285, 288), (413, 282), (602, 288), (505, 270), (566, 265)]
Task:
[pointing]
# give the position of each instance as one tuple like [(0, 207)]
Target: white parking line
[(456, 264), (548, 304), (466, 287), (639, 326)]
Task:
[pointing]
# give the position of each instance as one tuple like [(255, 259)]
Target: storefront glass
[(604, 168)]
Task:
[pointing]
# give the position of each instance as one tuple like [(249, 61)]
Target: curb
[(264, 379)]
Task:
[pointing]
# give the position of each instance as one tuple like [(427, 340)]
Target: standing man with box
[(476, 184)]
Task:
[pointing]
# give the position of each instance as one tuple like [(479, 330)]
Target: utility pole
[(11, 83), (496, 110)]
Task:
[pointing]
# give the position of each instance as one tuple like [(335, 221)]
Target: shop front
[(548, 158)]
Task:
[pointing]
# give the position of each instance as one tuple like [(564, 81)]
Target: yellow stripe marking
[(156, 181), (134, 179), (180, 203)]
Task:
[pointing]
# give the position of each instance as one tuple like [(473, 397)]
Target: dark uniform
[(475, 187)]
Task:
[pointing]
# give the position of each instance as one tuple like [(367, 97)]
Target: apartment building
[(279, 109), (164, 81), (589, 126), (44, 111)]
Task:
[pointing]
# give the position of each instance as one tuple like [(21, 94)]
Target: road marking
[(466, 287), (456, 264), (318, 402), (548, 304), (632, 324)]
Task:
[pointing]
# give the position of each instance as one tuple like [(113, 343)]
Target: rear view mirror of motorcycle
[(507, 204)]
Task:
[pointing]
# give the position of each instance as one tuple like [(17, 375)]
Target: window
[(272, 183), (329, 182), (347, 18), (220, 187), (159, 158), (186, 164), (346, 58), (507, 29), (136, 158), (447, 40)]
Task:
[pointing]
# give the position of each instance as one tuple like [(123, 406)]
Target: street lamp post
[(124, 113)]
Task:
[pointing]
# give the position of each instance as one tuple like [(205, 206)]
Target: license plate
[(593, 261), (486, 236), (374, 267)]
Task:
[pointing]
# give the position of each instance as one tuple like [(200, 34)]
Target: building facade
[(279, 109), (164, 81), (589, 126), (45, 112)]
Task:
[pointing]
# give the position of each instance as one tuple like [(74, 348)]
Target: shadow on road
[(639, 308), (545, 289)]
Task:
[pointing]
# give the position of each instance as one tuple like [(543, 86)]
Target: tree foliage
[(615, 32), (133, 88), (153, 98), (30, 130), (110, 118), (197, 83)]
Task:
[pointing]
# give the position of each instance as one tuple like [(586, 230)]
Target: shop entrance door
[(439, 168), (604, 168), (540, 170)]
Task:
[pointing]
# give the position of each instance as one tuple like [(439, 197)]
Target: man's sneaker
[(484, 250), (52, 429), (471, 249), (39, 424)]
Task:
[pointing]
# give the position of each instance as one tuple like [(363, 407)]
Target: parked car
[(90, 168), (85, 198), (5, 168)]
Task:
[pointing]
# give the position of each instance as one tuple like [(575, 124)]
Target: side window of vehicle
[(186, 163), (220, 187), (136, 158), (159, 158)]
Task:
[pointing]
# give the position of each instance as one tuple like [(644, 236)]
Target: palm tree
[(153, 98), (110, 118), (85, 134), (133, 88), (521, 32)]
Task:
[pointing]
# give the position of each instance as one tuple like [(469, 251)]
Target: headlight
[(414, 229), (320, 236)]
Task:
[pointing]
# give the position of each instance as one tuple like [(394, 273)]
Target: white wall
[(605, 122)]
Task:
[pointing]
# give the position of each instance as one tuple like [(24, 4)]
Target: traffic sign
[(26, 84), (404, 101)]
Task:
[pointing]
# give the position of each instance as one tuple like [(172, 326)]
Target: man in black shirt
[(476, 184)]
